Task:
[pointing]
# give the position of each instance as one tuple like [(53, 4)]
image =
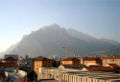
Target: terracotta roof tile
[(41, 58), (110, 57), (10, 58), (8, 65), (74, 66), (99, 68), (70, 58), (91, 58), (114, 65)]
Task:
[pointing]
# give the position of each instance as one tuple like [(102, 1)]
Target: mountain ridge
[(49, 40)]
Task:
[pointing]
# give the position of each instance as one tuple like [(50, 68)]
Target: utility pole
[(66, 51)]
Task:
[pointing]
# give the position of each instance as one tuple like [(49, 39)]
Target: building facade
[(91, 61), (15, 56), (70, 61), (72, 75), (9, 62), (39, 62), (110, 60)]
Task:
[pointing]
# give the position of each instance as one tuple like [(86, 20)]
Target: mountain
[(112, 51), (49, 40)]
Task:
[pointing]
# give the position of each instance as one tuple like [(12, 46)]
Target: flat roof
[(97, 75), (108, 76)]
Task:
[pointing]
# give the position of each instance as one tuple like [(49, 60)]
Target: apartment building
[(70, 61), (41, 61), (9, 62), (91, 61), (72, 75), (106, 61)]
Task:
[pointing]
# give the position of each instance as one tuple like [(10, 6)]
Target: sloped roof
[(10, 58), (71, 58), (8, 65), (91, 58), (114, 65), (74, 66), (41, 58), (99, 68), (110, 57)]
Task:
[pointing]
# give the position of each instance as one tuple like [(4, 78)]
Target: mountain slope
[(112, 51), (49, 41)]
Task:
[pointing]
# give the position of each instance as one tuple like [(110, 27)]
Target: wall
[(67, 62), (37, 65), (88, 63), (105, 62)]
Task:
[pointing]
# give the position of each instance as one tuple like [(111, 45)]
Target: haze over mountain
[(49, 40), (112, 51)]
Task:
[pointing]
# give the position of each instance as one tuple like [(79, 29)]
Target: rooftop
[(108, 76), (10, 58), (70, 58), (40, 58), (99, 68), (110, 57), (91, 58)]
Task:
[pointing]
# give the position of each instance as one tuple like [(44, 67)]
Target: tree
[(31, 75), (117, 70)]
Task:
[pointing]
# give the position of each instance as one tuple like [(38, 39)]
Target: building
[(98, 68), (9, 62), (15, 56), (72, 75), (71, 61), (91, 61), (40, 61), (110, 60), (26, 63)]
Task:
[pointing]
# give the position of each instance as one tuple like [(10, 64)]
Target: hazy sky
[(99, 18)]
